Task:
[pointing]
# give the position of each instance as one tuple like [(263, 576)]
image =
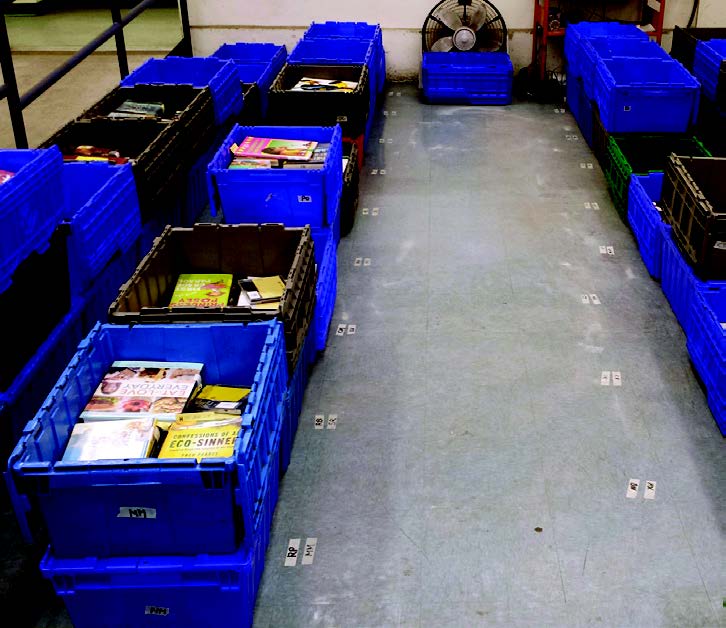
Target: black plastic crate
[(251, 113), (153, 148), (34, 304), (683, 48), (712, 127), (348, 109), (351, 180), (694, 203), (261, 250)]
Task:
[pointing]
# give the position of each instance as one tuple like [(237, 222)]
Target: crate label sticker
[(605, 378), (319, 421), (159, 611), (136, 512), (649, 490), (358, 261), (304, 198), (366, 261), (633, 486), (340, 331), (720, 245), (351, 329), (293, 549), (585, 299), (309, 554), (611, 250), (374, 211), (332, 421), (596, 205), (603, 250), (617, 379), (723, 326), (342, 119), (595, 299), (364, 211), (627, 108)]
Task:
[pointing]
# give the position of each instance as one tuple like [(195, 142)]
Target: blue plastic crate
[(326, 291), (21, 401), (645, 220), (102, 215), (294, 398), (217, 74), (577, 34), (354, 30), (709, 67), (707, 345), (645, 96), (30, 208), (148, 591), (475, 78), (580, 107), (612, 48), (255, 63), (293, 197), (199, 506)]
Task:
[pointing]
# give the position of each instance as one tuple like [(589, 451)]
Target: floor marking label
[(340, 331), (293, 549), (332, 421), (351, 329), (309, 554), (595, 299), (603, 250), (383, 171), (319, 421), (589, 165), (617, 379), (588, 206), (605, 378), (611, 250), (596, 206), (364, 211), (649, 490), (358, 261), (374, 171), (585, 299), (366, 261), (374, 211), (633, 486)]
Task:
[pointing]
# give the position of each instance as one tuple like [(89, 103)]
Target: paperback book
[(133, 109), (215, 440), (5, 176), (214, 398), (201, 290), (316, 162), (145, 389), (269, 148), (112, 440), (311, 84)]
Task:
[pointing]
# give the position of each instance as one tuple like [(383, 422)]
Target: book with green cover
[(198, 290)]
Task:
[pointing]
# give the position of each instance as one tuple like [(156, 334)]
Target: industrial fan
[(464, 26)]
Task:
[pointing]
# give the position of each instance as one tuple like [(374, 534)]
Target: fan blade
[(445, 44), (449, 19), (476, 18), (486, 23)]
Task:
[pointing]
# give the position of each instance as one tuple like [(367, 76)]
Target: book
[(251, 163), (143, 388), (261, 293), (269, 148), (316, 162), (214, 398), (211, 417), (203, 441), (5, 176), (112, 440), (201, 290), (94, 153), (134, 109), (311, 84)]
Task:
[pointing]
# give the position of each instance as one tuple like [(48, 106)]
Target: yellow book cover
[(204, 418), (200, 442), (269, 287)]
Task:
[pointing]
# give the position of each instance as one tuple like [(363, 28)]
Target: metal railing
[(17, 103)]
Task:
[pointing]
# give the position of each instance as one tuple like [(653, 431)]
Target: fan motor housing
[(464, 38)]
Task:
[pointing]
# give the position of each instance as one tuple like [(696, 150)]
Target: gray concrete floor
[(478, 472)]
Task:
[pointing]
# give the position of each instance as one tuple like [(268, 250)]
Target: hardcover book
[(213, 398), (145, 389), (112, 440), (197, 290), (311, 84), (269, 148)]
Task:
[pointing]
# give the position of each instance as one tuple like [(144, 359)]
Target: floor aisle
[(478, 471)]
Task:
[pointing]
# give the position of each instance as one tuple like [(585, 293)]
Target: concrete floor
[(478, 472)]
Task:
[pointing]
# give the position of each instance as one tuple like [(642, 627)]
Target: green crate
[(642, 154)]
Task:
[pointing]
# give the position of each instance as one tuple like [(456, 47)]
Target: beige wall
[(215, 22)]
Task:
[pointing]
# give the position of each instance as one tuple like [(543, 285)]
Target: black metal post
[(11, 86), (123, 62), (186, 29)]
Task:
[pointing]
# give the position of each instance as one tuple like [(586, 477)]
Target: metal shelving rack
[(651, 11)]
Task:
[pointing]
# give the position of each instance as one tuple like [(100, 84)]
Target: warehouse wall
[(283, 21)]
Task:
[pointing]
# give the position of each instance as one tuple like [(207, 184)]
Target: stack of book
[(210, 291), (94, 153), (266, 153), (130, 109), (145, 409)]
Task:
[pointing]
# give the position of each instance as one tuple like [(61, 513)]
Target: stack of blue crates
[(474, 78), (93, 208), (200, 530)]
